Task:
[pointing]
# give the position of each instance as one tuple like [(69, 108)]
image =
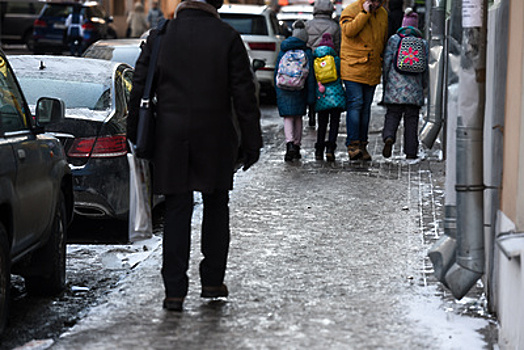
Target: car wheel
[(5, 277), (29, 41), (50, 260)]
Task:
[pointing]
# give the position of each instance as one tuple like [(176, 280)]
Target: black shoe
[(411, 156), (290, 152), (173, 304), (214, 292), (388, 145), (297, 154), (319, 151)]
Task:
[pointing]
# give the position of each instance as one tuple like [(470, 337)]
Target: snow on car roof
[(235, 8), (66, 67)]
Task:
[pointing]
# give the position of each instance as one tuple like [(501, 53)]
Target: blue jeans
[(359, 98)]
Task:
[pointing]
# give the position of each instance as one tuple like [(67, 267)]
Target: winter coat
[(395, 15), (137, 21), (401, 88), (202, 68), (292, 103), (321, 23), (364, 37), (334, 96)]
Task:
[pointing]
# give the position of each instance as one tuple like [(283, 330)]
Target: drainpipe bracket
[(469, 188), (511, 244)]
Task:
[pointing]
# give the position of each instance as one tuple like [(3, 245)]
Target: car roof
[(78, 68), (243, 9), (69, 2), (131, 42), (297, 9)]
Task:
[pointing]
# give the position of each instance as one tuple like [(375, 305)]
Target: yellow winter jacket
[(364, 36)]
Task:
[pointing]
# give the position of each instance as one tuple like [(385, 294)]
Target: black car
[(36, 194), (93, 132), (50, 30), (17, 18)]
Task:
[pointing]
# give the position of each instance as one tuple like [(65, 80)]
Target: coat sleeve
[(245, 103), (351, 24), (389, 55), (139, 81)]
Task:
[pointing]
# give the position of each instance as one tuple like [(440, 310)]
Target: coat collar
[(196, 5)]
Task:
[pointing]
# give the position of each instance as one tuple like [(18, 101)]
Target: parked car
[(117, 50), (260, 30), (93, 132), (289, 14), (17, 18), (36, 194), (50, 29)]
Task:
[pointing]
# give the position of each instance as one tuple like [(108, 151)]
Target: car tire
[(50, 260), (5, 277)]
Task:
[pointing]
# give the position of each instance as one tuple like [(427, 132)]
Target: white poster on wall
[(471, 13)]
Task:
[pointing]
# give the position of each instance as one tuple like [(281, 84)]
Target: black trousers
[(177, 241), (393, 116), (331, 116)]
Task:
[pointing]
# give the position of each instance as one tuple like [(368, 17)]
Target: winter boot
[(319, 151), (330, 152), (290, 152), (297, 154), (365, 155), (354, 151), (388, 145)]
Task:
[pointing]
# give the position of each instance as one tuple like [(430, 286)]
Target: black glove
[(250, 158)]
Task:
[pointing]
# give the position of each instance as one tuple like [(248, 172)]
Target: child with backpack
[(405, 78), (295, 86), (331, 97)]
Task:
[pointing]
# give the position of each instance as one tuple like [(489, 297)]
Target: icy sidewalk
[(323, 256)]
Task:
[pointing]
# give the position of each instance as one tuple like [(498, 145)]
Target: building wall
[(510, 273)]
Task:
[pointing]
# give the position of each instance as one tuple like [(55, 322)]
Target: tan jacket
[(364, 36)]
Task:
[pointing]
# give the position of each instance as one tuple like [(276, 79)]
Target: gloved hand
[(250, 158)]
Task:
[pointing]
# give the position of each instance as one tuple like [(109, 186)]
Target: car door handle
[(21, 154)]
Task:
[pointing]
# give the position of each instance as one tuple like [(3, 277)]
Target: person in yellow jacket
[(364, 31)]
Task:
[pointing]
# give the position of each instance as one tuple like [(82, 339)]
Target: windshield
[(246, 24), (127, 55), (93, 96)]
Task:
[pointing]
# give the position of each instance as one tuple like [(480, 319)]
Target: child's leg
[(411, 116), (323, 118), (391, 122), (334, 122), (297, 130), (289, 128)]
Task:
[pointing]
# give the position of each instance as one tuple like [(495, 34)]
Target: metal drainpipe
[(469, 266), (433, 123)]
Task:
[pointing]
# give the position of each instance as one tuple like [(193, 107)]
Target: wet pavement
[(323, 256)]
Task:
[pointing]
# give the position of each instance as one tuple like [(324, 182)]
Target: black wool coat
[(202, 73)]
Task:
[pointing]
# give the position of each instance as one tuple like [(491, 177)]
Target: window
[(246, 24), (13, 116)]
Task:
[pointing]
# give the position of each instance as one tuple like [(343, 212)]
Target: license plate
[(59, 26)]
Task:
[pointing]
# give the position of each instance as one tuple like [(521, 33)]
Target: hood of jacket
[(409, 31), (322, 51), (293, 43), (324, 7), (196, 5)]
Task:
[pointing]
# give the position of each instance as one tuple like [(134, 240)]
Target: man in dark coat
[(202, 74)]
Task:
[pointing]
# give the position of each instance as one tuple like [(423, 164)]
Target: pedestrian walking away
[(364, 27), (75, 32), (155, 15), (137, 21), (404, 87), (295, 87), (202, 73), (331, 98)]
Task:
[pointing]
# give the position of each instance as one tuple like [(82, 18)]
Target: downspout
[(437, 62), (469, 266), (469, 259)]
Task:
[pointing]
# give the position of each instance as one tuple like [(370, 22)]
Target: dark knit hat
[(299, 30), (327, 41)]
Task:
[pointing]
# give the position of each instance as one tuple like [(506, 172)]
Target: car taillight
[(88, 26), (262, 46), (39, 23), (102, 147)]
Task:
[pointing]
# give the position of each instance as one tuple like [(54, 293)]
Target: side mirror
[(49, 110), (257, 64)]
